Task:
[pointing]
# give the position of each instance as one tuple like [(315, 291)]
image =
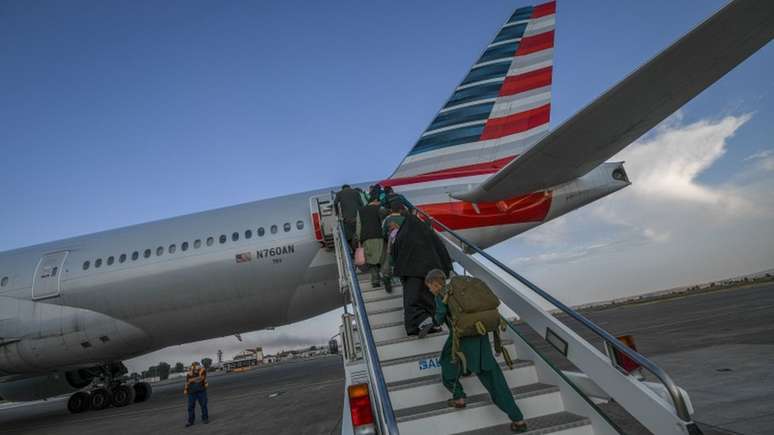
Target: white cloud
[(764, 160), (667, 229), (667, 164)]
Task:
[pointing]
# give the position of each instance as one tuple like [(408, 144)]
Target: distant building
[(245, 360)]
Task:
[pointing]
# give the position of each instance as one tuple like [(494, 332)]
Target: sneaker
[(518, 426), (425, 327), (188, 424)]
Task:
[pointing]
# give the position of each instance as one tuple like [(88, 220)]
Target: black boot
[(387, 284)]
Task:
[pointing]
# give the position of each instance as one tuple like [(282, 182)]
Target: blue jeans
[(201, 397)]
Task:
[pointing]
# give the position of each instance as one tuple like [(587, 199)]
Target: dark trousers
[(201, 397), (418, 303)]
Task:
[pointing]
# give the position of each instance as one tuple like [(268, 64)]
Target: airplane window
[(210, 241), (172, 248), (122, 258), (147, 253), (159, 251), (184, 246), (111, 260), (86, 265), (98, 262), (4, 281), (286, 227), (300, 225), (234, 237), (261, 232), (222, 239), (248, 234), (274, 229), (135, 255), (197, 244)]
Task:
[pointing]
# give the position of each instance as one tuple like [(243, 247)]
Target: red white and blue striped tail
[(500, 110)]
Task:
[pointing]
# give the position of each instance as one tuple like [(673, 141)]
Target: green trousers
[(492, 379)]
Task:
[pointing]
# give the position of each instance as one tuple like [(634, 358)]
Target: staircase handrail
[(388, 424), (674, 392)]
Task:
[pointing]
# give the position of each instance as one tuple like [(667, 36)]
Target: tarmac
[(717, 345), (302, 397)]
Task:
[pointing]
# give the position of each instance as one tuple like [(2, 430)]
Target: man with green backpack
[(469, 309)]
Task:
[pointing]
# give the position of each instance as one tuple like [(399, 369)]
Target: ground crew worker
[(369, 235), (479, 360), (196, 389), (347, 202)]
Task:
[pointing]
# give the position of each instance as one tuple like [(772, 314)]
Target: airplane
[(72, 310)]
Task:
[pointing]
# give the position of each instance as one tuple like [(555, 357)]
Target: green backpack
[(473, 311)]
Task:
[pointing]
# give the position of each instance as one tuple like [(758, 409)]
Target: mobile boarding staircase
[(394, 384)]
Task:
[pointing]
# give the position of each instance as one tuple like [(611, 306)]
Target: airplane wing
[(636, 104)]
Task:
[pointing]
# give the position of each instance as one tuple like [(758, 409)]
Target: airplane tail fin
[(500, 109)]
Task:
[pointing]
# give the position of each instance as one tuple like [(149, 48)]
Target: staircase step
[(408, 346), (389, 331), (560, 423), (379, 293), (534, 400), (429, 389), (365, 285), (384, 302), (426, 364), (389, 315)]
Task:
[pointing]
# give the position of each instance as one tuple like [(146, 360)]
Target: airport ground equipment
[(402, 379)]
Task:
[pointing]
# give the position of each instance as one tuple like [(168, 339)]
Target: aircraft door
[(323, 217), (47, 280)]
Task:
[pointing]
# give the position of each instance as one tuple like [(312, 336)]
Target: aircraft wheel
[(78, 402), (123, 395), (100, 399), (142, 392)]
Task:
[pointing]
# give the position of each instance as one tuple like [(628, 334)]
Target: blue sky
[(117, 113)]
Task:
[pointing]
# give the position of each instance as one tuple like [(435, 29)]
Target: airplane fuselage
[(121, 293)]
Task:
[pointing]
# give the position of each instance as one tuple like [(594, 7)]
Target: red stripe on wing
[(533, 207)]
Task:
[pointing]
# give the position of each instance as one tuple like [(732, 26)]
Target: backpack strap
[(457, 354), (498, 344)]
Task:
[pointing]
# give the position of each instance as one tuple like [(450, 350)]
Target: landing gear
[(110, 389), (142, 392), (79, 402), (122, 395), (100, 399)]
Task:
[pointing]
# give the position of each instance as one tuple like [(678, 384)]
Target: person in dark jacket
[(347, 202), (416, 251), (369, 235), (395, 200)]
